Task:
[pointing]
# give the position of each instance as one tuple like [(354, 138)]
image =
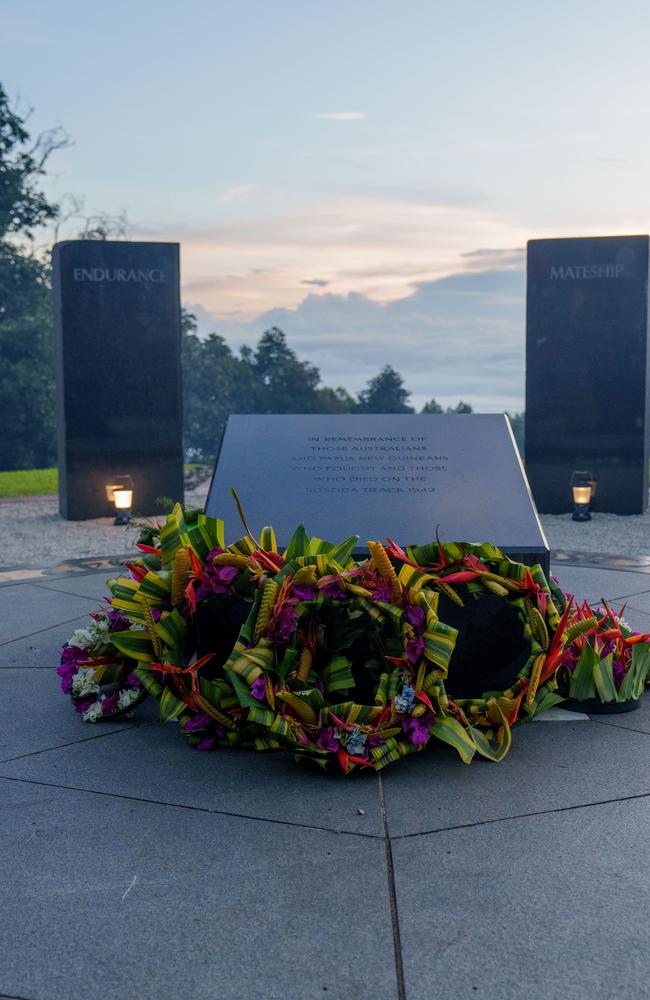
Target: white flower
[(127, 698), (84, 683), (96, 633), (82, 637), (93, 713)]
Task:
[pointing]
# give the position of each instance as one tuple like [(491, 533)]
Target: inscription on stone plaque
[(377, 475), (587, 360), (117, 322)]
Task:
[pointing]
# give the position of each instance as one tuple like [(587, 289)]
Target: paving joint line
[(68, 593), (531, 815), (201, 809), (392, 896), (614, 725), (558, 564), (639, 611), (68, 621), (626, 597), (73, 743)]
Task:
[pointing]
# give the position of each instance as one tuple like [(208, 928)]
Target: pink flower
[(619, 671), (70, 655), (215, 579), (110, 704), (283, 623), (417, 727), (199, 721), (118, 622), (304, 593), (258, 689), (416, 617), (333, 589), (328, 740), (83, 706), (202, 722), (414, 649)]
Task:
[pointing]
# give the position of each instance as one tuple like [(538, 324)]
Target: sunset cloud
[(381, 248)]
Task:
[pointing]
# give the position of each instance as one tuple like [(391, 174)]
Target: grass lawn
[(42, 482), (29, 482)]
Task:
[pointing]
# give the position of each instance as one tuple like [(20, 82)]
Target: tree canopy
[(23, 206), (385, 393), (26, 368)]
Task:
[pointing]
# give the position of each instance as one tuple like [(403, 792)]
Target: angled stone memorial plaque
[(117, 323), (587, 370), (377, 475)]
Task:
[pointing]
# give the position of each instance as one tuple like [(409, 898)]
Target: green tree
[(26, 355), (336, 400), (267, 379), (215, 384), (432, 407), (26, 365), (281, 383), (385, 393), (22, 206), (460, 407)]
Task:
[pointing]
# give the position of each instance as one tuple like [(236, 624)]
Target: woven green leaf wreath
[(344, 662)]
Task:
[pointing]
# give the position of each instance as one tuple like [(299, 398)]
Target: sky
[(364, 174)]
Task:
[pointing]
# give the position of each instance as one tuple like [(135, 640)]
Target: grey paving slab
[(640, 602), (35, 715), (40, 650), (639, 620), (156, 764), (106, 899), (26, 608), (550, 766), (91, 585), (638, 720), (593, 584), (543, 908)]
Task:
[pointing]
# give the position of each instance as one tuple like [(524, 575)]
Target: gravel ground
[(33, 534), (608, 534)]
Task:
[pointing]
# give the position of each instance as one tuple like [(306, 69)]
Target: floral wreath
[(297, 657), (468, 572), (603, 659), (343, 662), (100, 681)]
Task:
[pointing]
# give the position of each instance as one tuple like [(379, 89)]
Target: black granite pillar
[(587, 370), (119, 404)]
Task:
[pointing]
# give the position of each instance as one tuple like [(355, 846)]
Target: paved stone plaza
[(133, 866)]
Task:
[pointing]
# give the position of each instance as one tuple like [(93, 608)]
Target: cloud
[(380, 247), (437, 290), (457, 337), (228, 195), (488, 256), (341, 116)]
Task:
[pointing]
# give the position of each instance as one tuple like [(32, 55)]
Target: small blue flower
[(356, 743), (405, 699)]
